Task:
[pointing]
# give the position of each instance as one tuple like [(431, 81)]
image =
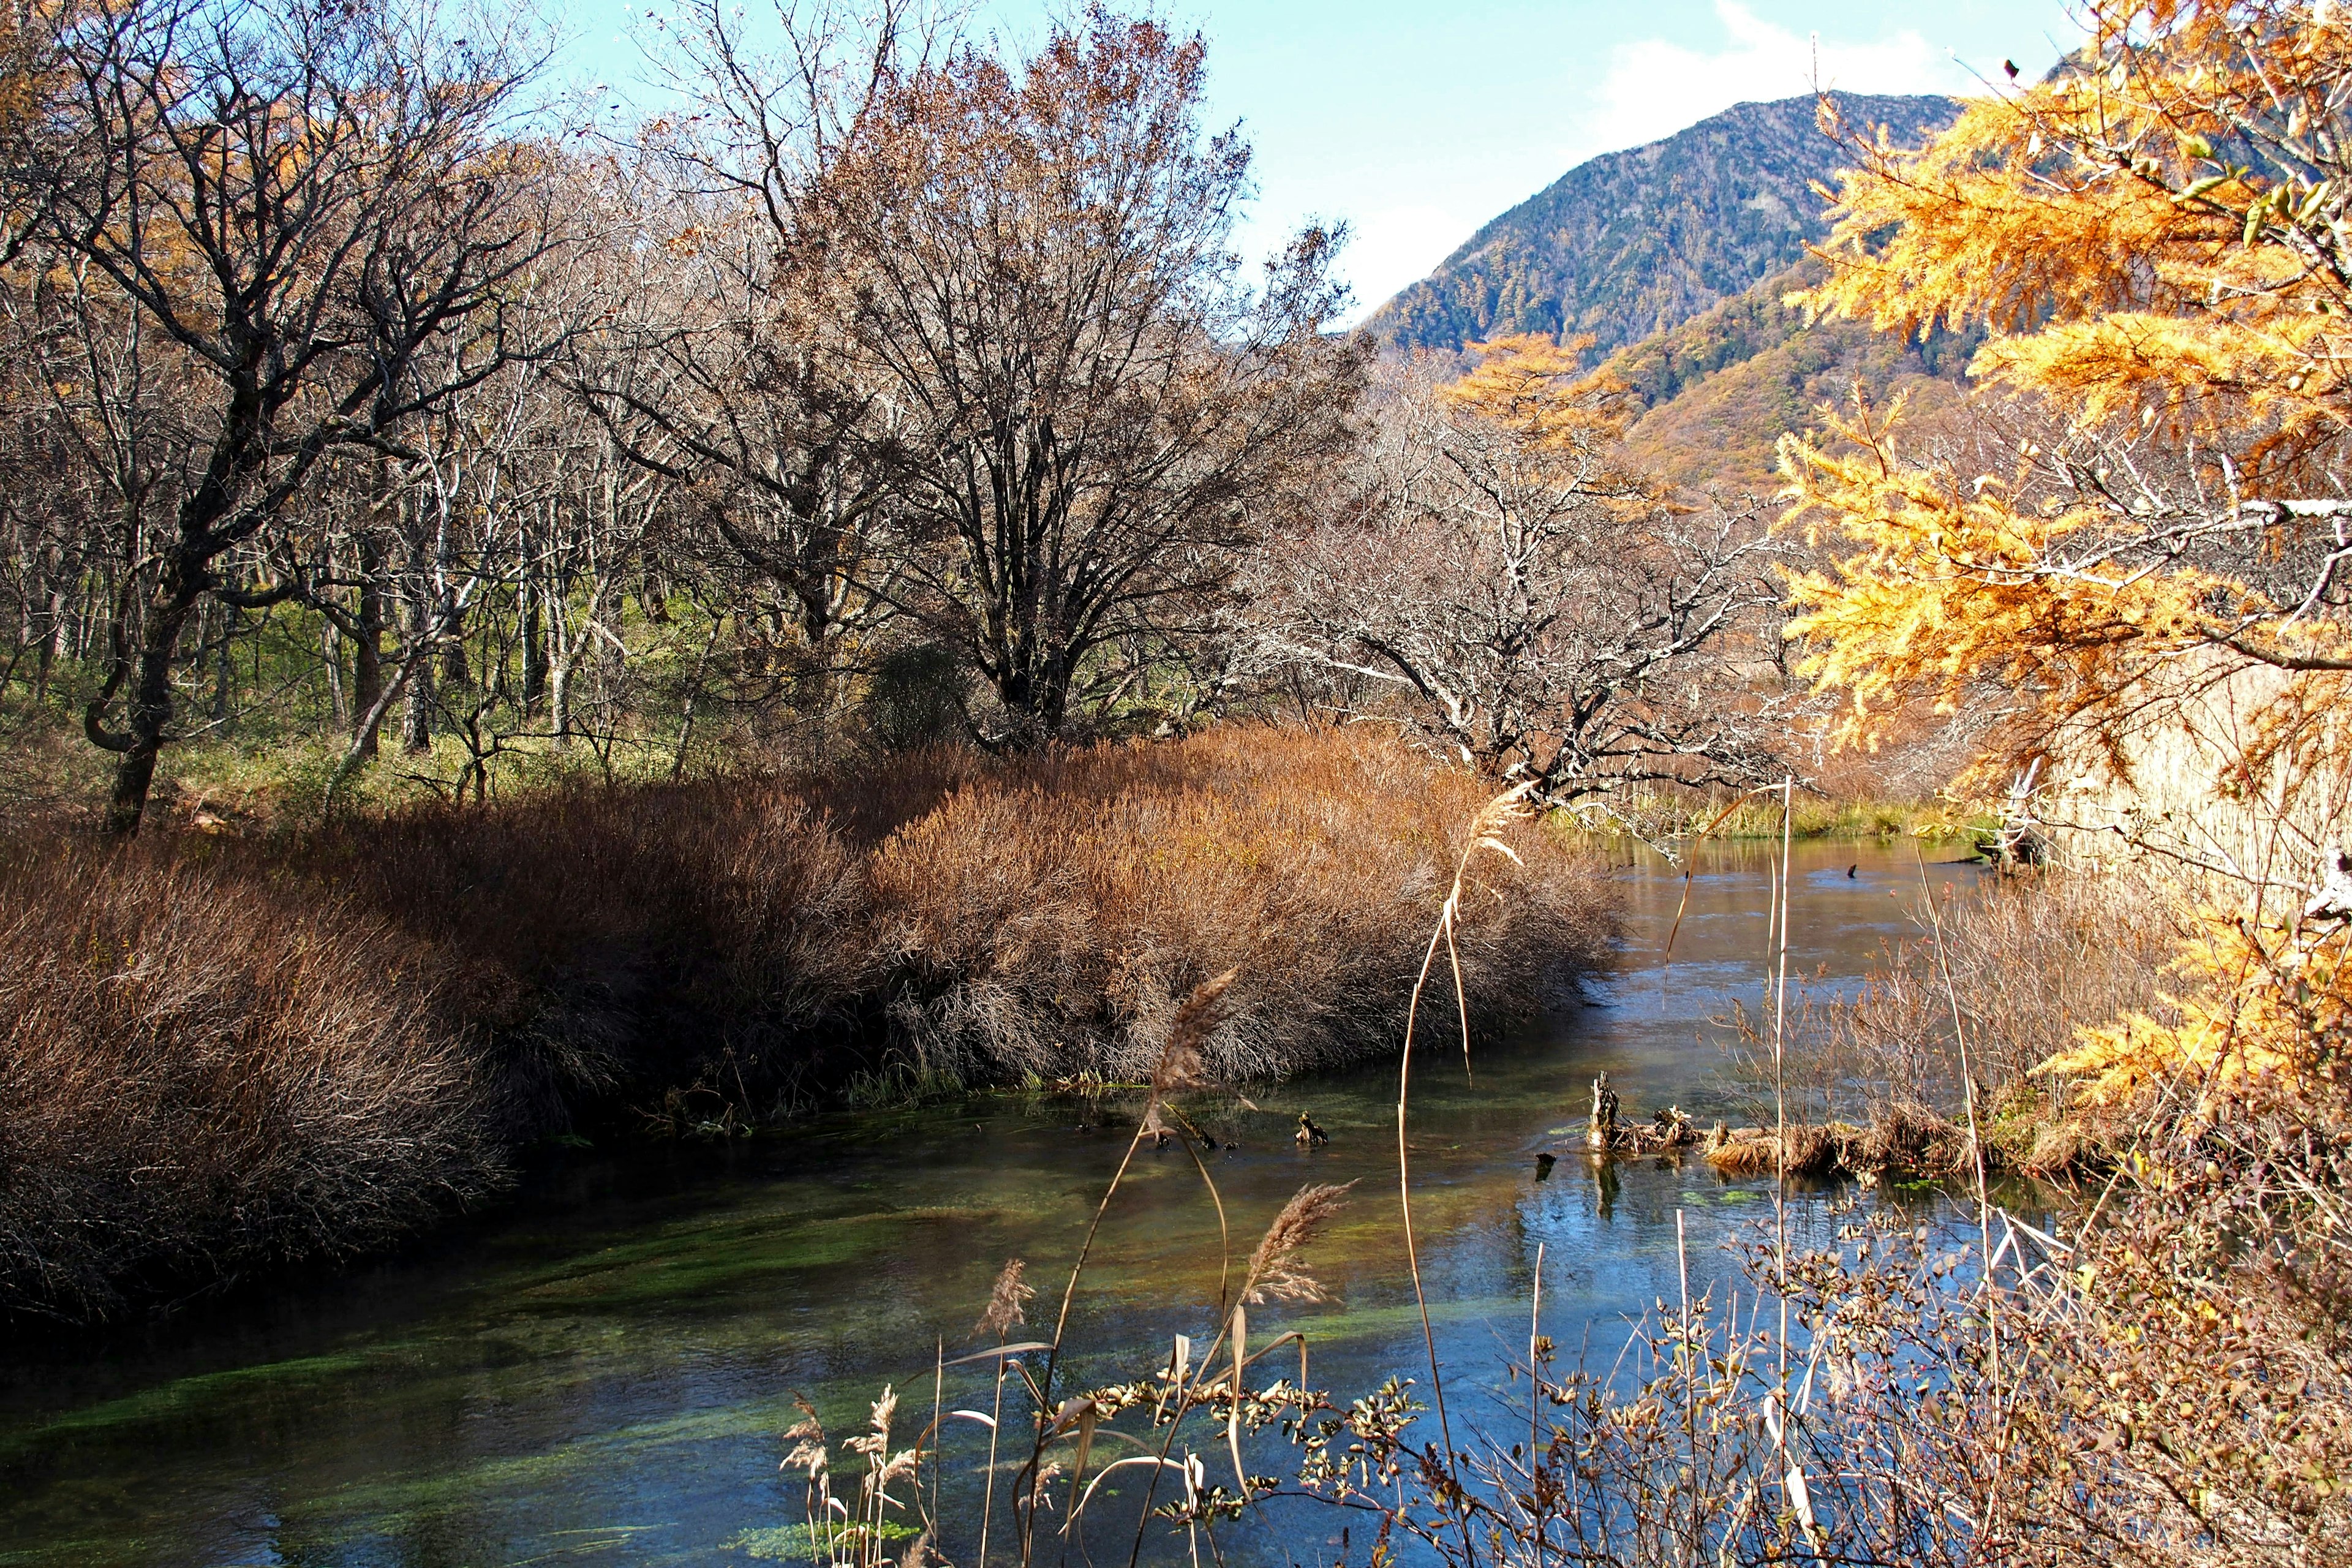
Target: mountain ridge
[(1631, 244)]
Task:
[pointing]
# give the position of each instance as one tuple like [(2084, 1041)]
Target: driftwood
[(1904, 1137), (1605, 1134)]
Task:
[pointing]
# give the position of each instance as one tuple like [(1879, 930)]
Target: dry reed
[(200, 1081), (431, 986), (1956, 1022), (1050, 922)]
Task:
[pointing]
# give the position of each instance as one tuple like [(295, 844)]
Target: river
[(598, 1370)]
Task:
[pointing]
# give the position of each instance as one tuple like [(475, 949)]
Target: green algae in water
[(183, 1394), (799, 1543)]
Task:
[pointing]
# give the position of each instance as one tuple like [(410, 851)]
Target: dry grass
[(1051, 919), (351, 1024), (622, 942), (198, 1080), (2032, 959)]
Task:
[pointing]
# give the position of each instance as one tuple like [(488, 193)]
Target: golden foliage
[(2257, 1000), (1536, 388), (2156, 237), (2151, 231)]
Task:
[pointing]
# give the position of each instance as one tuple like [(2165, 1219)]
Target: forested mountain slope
[(1722, 387), (1631, 244)]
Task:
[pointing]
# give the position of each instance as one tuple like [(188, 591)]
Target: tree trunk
[(454, 669), (534, 645), (416, 718), (224, 666), (331, 651), (51, 637), (175, 599), (367, 649)]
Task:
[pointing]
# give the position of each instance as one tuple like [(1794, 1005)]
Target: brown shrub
[(2032, 959), (612, 941), (1050, 919), (198, 1078), (231, 1051)]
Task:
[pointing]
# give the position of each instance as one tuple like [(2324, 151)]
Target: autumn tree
[(2153, 587), (726, 368), (1091, 409), (2147, 584), (294, 204), (1529, 602)]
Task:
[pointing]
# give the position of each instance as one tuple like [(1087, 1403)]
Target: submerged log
[(1904, 1137), (1605, 1133)]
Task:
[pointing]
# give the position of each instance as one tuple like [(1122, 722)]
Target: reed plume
[(1183, 1058), (1277, 1270), (1005, 1299), (807, 1436)]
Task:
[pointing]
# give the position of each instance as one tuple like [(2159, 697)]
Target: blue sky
[(1416, 122)]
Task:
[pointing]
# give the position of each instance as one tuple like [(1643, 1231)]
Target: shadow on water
[(600, 1370)]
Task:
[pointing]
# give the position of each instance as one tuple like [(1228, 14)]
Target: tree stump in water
[(1600, 1132)]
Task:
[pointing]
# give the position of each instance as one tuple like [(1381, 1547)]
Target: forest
[(521, 632)]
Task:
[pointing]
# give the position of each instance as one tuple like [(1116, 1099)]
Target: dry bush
[(351, 1023), (621, 941), (200, 1078), (2030, 960), (1049, 919)]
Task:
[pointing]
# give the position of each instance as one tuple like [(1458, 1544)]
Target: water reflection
[(601, 1372)]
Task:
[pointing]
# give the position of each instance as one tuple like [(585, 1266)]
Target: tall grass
[(223, 1052), (199, 1078), (1956, 1020), (1054, 917)]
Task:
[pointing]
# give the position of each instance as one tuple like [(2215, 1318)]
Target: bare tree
[(1530, 605), (1089, 410), (717, 375), (295, 199)]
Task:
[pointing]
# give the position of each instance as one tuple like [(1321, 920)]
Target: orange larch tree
[(2155, 581)]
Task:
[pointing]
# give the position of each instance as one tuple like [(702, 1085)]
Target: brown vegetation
[(198, 1076), (2024, 965), (2162, 1385), (235, 1051), (1054, 918)]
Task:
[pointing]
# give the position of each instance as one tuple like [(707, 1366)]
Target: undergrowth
[(232, 1051)]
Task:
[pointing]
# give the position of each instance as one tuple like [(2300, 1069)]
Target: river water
[(600, 1370)]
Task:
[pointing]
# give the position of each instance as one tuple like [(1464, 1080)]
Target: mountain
[(1632, 244), (1721, 388)]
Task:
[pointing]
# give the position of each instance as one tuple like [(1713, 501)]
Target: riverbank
[(225, 1056), (610, 1358)]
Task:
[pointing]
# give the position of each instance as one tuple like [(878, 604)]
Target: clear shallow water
[(599, 1372)]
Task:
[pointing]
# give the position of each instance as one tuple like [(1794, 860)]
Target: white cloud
[(1656, 87)]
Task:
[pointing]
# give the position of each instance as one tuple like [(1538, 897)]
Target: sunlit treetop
[(1536, 386), (2157, 230), (2156, 238)]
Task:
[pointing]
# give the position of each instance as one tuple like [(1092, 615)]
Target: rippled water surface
[(599, 1372)]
